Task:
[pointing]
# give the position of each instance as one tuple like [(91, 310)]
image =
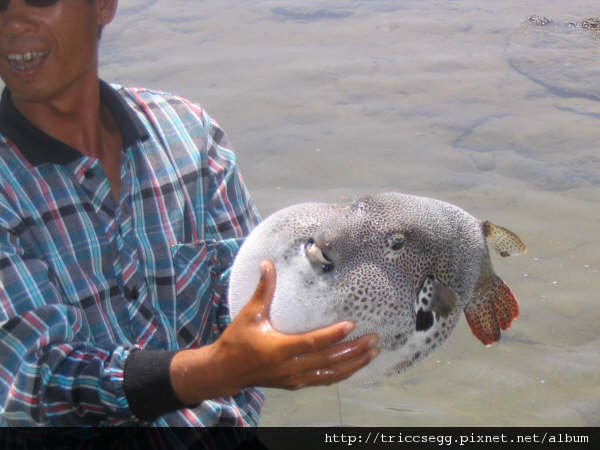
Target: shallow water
[(459, 100)]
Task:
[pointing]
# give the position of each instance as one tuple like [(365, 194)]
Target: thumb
[(263, 294)]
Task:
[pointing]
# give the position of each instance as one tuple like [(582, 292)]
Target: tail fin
[(492, 310)]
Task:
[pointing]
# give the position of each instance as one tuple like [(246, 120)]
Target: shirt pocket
[(201, 278)]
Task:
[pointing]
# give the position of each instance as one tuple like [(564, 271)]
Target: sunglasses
[(36, 3)]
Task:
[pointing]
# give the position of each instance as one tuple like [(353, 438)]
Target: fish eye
[(396, 243)]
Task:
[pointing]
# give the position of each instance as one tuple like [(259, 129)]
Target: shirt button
[(134, 294), (88, 174)]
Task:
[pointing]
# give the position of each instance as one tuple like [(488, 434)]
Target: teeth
[(25, 56), (314, 253)]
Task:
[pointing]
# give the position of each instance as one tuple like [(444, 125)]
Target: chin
[(29, 90)]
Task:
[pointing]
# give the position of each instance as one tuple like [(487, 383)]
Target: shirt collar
[(39, 148)]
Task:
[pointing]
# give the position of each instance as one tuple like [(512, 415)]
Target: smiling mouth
[(25, 62)]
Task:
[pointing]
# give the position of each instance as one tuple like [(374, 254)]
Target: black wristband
[(148, 384)]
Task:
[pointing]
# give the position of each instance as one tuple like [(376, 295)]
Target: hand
[(250, 352)]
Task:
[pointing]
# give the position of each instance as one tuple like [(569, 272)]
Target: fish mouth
[(317, 256)]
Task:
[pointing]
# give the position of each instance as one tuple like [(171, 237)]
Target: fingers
[(263, 294), (332, 374), (291, 361), (292, 344), (332, 355), (316, 340), (327, 366)]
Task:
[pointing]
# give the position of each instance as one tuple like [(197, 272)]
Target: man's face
[(46, 50)]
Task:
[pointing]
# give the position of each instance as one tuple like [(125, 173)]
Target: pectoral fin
[(490, 310), (434, 300), (444, 299), (503, 241)]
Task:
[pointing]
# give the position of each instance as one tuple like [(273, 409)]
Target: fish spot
[(424, 320), (399, 340)]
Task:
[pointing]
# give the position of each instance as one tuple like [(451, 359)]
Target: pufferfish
[(401, 266)]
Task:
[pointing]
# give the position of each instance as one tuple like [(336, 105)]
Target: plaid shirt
[(86, 282)]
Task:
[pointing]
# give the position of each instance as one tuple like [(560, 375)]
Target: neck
[(74, 116)]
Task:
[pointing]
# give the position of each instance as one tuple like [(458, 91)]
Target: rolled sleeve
[(50, 374)]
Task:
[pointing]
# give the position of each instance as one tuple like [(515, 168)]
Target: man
[(120, 212)]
